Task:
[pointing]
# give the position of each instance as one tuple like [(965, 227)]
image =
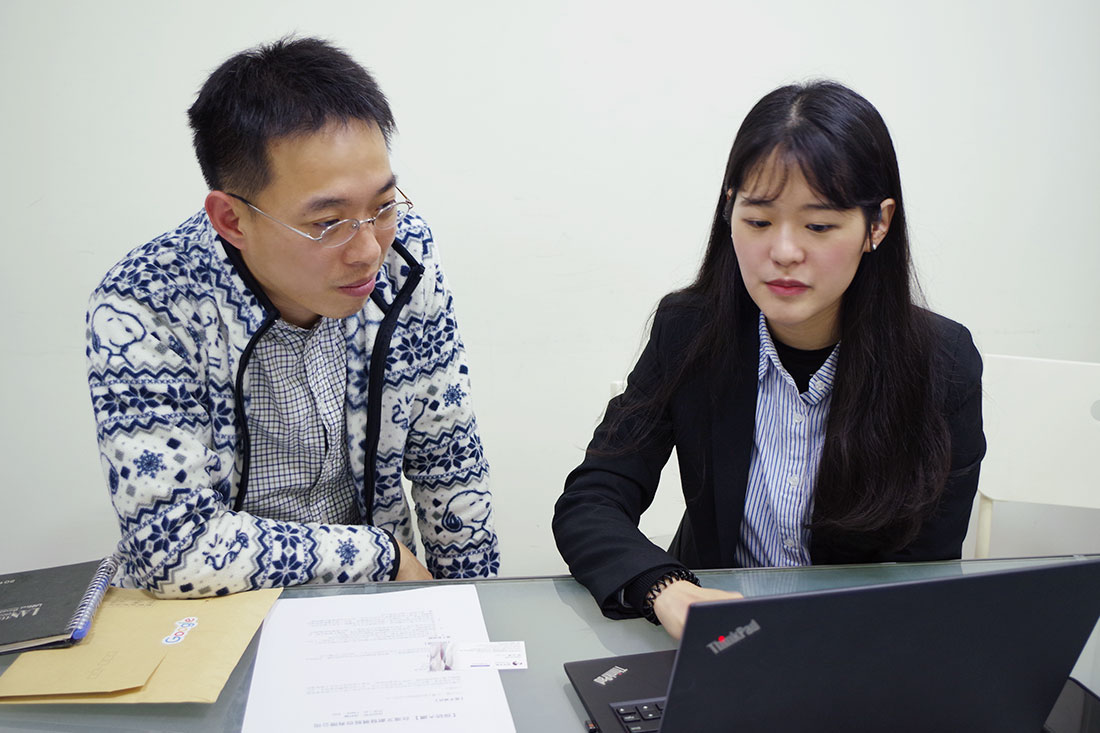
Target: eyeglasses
[(339, 233)]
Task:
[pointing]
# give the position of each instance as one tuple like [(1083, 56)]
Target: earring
[(874, 246)]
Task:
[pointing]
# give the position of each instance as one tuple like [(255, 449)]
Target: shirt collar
[(821, 383)]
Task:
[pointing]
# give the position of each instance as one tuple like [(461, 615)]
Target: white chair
[(1042, 426)]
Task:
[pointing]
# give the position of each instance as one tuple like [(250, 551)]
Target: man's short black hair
[(291, 86)]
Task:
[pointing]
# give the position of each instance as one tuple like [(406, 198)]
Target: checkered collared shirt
[(296, 419)]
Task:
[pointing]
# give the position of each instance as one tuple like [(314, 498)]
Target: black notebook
[(51, 607)]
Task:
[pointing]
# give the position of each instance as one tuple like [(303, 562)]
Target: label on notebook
[(20, 611)]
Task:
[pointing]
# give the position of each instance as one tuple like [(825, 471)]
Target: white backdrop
[(567, 155)]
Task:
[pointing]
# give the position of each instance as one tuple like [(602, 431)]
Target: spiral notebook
[(51, 607)]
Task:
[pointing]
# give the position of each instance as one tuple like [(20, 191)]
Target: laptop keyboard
[(640, 716)]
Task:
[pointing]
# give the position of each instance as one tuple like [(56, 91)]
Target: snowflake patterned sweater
[(170, 330)]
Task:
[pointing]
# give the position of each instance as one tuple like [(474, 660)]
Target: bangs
[(826, 173), (828, 167), (766, 177), (825, 165)]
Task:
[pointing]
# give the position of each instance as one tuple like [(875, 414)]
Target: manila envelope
[(143, 649)]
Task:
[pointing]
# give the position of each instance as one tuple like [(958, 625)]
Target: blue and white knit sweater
[(170, 330)]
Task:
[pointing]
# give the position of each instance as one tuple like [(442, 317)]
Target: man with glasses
[(265, 373)]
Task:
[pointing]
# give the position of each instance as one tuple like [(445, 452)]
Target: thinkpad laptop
[(987, 651)]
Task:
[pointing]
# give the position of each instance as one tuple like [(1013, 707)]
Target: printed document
[(378, 662)]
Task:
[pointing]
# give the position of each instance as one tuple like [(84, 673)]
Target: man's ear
[(223, 213), (881, 225)]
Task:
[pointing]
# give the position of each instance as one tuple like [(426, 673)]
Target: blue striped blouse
[(786, 453)]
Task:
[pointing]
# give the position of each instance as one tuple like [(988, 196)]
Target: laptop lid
[(977, 651)]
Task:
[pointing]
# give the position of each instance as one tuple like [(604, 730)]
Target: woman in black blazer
[(818, 413)]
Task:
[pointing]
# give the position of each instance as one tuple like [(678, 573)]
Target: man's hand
[(671, 604), (411, 568)]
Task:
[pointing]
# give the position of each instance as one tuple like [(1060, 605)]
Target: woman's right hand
[(671, 604)]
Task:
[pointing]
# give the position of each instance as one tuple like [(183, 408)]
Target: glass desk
[(555, 616)]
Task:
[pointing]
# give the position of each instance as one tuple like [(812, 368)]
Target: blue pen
[(82, 619)]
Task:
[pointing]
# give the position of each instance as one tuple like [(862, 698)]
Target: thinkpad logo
[(610, 675), (724, 642)]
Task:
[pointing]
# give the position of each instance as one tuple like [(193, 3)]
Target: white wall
[(567, 155)]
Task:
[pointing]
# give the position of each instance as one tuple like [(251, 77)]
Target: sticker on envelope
[(490, 655)]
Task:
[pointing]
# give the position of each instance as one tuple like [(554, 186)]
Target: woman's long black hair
[(887, 447)]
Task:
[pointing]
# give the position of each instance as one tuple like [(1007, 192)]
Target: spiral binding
[(82, 619)]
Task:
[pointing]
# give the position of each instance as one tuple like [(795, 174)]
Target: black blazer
[(596, 518)]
